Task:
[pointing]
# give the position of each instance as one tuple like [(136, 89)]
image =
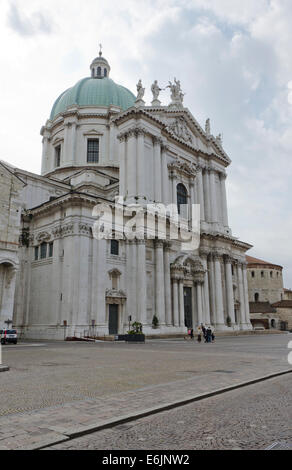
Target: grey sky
[(233, 59)]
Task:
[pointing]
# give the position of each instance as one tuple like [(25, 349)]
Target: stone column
[(218, 292), (174, 192), (131, 279), (224, 199), (201, 193), (7, 304), (165, 177), (167, 285), (175, 302), (140, 168), (206, 194), (213, 194), (45, 163), (229, 289), (245, 288), (131, 167), (206, 292), (199, 302), (181, 303), (74, 136), (241, 294), (111, 142), (123, 166), (211, 278), (141, 282), (157, 170), (159, 282), (101, 282)]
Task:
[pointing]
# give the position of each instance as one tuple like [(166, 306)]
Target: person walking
[(199, 338), (208, 335)]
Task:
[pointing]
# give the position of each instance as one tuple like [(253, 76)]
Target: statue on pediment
[(177, 95), (155, 92)]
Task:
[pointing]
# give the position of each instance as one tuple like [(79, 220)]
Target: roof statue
[(155, 92), (140, 94), (208, 127), (177, 96)]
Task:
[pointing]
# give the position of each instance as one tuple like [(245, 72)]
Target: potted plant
[(135, 334), (155, 322)]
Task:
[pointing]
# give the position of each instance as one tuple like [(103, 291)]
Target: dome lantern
[(100, 67)]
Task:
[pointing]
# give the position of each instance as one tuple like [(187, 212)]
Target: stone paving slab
[(42, 428)]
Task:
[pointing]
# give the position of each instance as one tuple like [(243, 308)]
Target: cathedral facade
[(102, 143)]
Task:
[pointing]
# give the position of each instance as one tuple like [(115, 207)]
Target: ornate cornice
[(63, 230), (182, 168)]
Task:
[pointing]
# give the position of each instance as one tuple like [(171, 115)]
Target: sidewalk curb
[(67, 434)]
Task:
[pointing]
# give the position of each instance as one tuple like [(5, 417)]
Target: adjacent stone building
[(10, 212), (270, 304), (99, 144)]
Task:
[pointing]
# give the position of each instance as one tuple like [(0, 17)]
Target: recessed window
[(182, 196), (105, 72), (92, 151), (36, 253), (271, 274), (252, 274), (262, 274), (114, 247), (256, 297), (51, 249), (43, 250), (58, 156), (98, 71)]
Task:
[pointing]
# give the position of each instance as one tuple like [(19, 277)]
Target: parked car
[(8, 336)]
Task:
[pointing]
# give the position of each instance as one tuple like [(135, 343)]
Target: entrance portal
[(188, 307), (113, 319)]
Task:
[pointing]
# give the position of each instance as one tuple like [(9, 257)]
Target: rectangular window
[(92, 151), (58, 156), (36, 253), (51, 250), (114, 247), (43, 250)]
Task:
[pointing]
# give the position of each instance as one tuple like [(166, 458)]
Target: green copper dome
[(94, 92)]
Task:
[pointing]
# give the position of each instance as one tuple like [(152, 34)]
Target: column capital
[(228, 259), (217, 256), (157, 140), (159, 243)]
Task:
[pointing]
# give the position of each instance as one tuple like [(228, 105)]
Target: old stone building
[(268, 300), (101, 143), (10, 210)]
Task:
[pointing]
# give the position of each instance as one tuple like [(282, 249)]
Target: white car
[(259, 328), (8, 336)]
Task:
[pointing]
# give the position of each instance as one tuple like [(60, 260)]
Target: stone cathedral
[(101, 141)]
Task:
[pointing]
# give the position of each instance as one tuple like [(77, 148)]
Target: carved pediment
[(183, 168), (179, 128)]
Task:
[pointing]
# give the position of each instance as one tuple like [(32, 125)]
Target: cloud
[(231, 56), (34, 24)]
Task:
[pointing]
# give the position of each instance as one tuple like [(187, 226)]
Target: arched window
[(105, 72), (256, 297), (182, 196), (98, 71)]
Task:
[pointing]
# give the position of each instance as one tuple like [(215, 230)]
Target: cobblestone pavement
[(57, 390), (41, 376), (250, 418)]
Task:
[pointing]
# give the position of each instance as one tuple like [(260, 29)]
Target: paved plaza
[(251, 418), (55, 391)]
